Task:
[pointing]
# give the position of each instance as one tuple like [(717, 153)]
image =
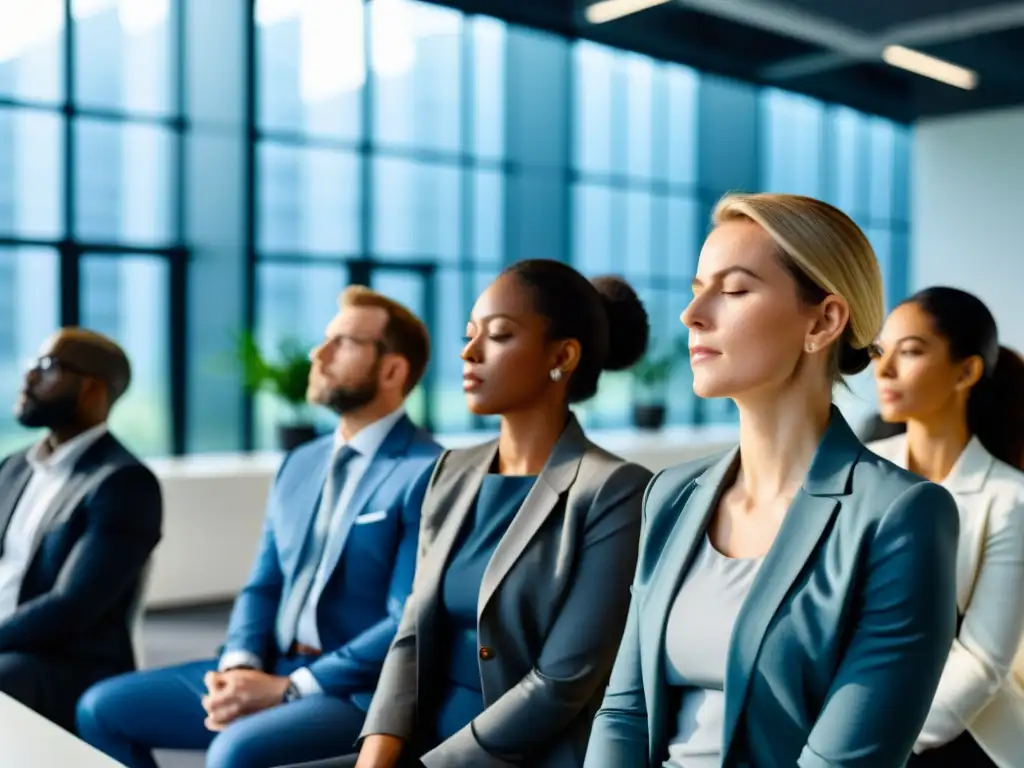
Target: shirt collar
[(969, 471), (368, 440), (41, 457), (972, 468)]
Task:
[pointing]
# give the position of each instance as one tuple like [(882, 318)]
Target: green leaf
[(286, 376), (657, 367)]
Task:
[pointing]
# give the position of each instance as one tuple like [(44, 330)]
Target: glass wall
[(393, 142), (89, 138), (380, 160), (857, 162), (635, 200)]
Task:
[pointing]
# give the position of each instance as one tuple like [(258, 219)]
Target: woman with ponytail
[(941, 371), (527, 542), (793, 599)]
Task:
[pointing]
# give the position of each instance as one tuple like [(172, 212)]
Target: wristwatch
[(291, 693)]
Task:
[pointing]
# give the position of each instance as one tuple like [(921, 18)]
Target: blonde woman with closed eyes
[(793, 602)]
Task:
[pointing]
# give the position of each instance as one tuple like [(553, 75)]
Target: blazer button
[(486, 653)]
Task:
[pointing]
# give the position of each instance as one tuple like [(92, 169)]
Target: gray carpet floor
[(173, 637)]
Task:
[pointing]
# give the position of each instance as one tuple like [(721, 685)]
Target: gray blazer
[(552, 607), (838, 649)]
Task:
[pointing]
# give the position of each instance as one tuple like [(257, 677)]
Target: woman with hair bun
[(527, 543), (940, 370), (793, 603)]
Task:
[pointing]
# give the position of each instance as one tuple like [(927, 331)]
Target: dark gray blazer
[(77, 594), (552, 607), (838, 649)]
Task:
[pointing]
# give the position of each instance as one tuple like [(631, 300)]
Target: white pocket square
[(371, 517)]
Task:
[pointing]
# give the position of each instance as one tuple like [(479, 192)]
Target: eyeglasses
[(48, 363), (343, 339)]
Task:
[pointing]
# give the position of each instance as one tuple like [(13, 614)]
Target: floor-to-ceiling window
[(379, 161), (857, 162), (635, 196), (395, 142), (398, 164), (90, 131)]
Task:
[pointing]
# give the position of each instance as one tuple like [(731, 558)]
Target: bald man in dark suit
[(79, 519)]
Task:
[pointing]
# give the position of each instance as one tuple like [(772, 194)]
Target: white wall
[(214, 507), (967, 219)]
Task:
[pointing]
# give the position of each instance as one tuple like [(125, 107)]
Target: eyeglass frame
[(340, 339), (44, 364)]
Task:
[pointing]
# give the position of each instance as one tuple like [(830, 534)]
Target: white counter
[(214, 504), (28, 740)]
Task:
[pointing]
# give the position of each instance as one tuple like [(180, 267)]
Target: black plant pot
[(649, 417), (291, 436)]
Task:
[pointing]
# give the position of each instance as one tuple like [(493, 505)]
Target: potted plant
[(651, 377), (286, 377)]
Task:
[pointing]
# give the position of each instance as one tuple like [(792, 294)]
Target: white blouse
[(982, 685)]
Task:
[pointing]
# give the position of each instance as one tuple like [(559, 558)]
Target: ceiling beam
[(786, 21), (937, 30)]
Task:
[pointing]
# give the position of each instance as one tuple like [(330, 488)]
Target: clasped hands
[(239, 692)]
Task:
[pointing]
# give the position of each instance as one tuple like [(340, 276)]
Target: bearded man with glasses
[(79, 518), (308, 634)]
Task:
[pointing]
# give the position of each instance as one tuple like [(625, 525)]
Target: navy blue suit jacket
[(362, 602), (80, 586), (838, 648)]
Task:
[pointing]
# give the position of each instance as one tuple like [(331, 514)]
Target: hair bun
[(628, 325), (853, 360)]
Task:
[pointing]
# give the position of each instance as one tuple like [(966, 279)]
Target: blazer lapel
[(554, 480), (81, 482), (67, 498), (808, 518), (966, 481), (91, 469), (693, 511), (451, 503), (379, 468), (971, 469), (14, 477), (381, 465), (377, 471)]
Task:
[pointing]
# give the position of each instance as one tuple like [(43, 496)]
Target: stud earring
[(810, 347), (556, 374)]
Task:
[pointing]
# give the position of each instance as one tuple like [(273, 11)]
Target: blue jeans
[(128, 716)]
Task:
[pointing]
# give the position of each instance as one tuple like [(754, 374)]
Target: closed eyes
[(499, 337)]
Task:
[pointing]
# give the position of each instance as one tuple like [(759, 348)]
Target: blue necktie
[(288, 617)]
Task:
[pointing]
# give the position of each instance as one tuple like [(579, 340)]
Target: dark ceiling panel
[(996, 57), (711, 44), (875, 16), (867, 87), (713, 32), (705, 42), (561, 16)]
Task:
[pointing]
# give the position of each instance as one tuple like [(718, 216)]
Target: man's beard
[(50, 414), (344, 400)]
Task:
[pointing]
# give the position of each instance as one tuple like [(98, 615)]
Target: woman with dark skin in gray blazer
[(794, 601), (527, 543)]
